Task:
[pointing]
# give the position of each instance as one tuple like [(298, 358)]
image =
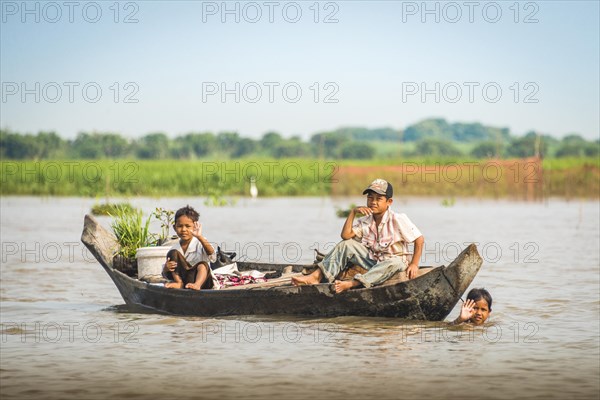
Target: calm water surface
[(66, 333)]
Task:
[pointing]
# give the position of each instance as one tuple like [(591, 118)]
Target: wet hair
[(188, 212), (480, 293)]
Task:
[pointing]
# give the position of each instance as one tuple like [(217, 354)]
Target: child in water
[(476, 309), (188, 261)]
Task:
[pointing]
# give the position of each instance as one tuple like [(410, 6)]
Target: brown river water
[(66, 333)]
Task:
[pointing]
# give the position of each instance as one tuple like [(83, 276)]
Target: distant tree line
[(430, 138)]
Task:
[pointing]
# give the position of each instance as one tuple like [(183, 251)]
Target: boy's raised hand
[(363, 210), (197, 229), (466, 311)]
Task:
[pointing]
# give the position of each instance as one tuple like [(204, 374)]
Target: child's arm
[(347, 232), (205, 243), (466, 312), (413, 268)]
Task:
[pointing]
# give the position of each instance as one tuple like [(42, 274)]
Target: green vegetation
[(111, 208), (166, 221), (429, 138), (448, 202), (344, 212), (131, 231), (214, 180), (207, 179), (332, 162), (527, 179)]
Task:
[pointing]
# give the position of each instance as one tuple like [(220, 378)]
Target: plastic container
[(150, 261)]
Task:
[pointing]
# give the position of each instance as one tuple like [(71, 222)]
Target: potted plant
[(140, 251)]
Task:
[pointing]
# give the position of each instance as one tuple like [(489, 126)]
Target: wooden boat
[(430, 296)]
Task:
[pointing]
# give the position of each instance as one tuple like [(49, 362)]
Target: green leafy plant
[(215, 201), (110, 208), (215, 197), (166, 220), (131, 231), (448, 202), (343, 213)]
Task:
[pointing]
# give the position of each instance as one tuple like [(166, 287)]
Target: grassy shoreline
[(520, 178)]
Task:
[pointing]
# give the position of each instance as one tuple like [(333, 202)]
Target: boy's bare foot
[(173, 285), (194, 286), (314, 278), (342, 286)]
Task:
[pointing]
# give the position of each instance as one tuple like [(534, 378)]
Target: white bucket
[(150, 261)]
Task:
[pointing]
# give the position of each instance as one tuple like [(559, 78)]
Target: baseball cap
[(380, 186)]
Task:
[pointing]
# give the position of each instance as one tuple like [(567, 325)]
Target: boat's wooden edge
[(428, 297), (102, 244), (99, 241), (463, 269)]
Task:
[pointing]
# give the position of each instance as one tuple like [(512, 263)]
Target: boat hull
[(431, 296)]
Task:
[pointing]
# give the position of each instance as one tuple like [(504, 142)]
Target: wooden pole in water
[(538, 180)]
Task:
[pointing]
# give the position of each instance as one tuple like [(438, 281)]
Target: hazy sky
[(298, 67)]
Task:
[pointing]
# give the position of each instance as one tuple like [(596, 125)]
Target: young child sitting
[(188, 261), (378, 242), (476, 309)]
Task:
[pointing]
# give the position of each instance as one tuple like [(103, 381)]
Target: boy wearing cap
[(377, 242)]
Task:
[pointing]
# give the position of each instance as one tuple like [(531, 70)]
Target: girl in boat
[(188, 261)]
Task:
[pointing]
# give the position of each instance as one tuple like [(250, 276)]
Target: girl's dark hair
[(478, 294), (188, 212)]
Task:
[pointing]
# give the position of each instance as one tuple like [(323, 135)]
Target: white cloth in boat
[(232, 269), (390, 239), (229, 275)]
